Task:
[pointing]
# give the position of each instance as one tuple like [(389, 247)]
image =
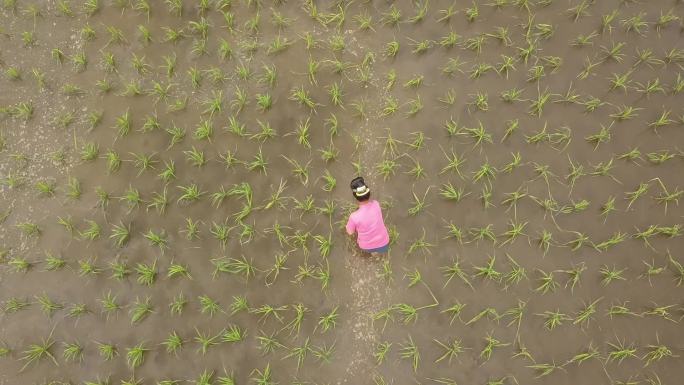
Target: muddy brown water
[(356, 288)]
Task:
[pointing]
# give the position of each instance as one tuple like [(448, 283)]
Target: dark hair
[(355, 184)]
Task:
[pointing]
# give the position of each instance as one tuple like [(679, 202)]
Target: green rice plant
[(455, 271), (515, 230), (492, 343), (47, 305), (53, 263), (300, 352), (455, 311), (88, 267), (636, 23), (409, 350), (45, 188), (209, 306), (119, 269), (178, 270), (472, 13), (615, 239), (479, 101), (173, 343), (296, 323), (537, 105), (591, 352), (632, 196), (22, 111), (13, 73), (482, 233), (545, 369), (109, 304), (268, 343), (72, 352), (662, 121), (195, 157), (38, 351), (107, 351), (516, 274), (205, 341), (19, 264), (92, 232), (656, 353), (516, 314), (651, 271), (547, 283), (584, 316), (553, 319), (610, 275), (486, 172), (190, 193), (619, 351), (13, 305), (479, 135), (140, 310), (660, 311), (418, 203), (39, 76), (264, 377), (625, 113), (29, 229), (147, 274), (299, 170), (621, 81), (77, 310), (135, 356), (178, 304), (650, 87), (234, 266), (488, 271)]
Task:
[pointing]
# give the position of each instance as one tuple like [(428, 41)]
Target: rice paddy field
[(174, 180)]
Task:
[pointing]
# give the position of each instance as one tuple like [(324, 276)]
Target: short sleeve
[(351, 226)]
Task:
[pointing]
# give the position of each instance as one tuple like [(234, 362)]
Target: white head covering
[(361, 191)]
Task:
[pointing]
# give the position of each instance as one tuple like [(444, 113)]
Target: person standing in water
[(366, 221)]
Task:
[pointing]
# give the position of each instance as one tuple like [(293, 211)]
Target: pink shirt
[(367, 222)]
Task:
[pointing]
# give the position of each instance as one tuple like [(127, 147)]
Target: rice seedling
[(486, 172), (610, 275), (109, 304), (107, 351), (45, 188), (657, 352), (409, 350), (92, 232), (135, 356), (619, 351), (660, 311), (19, 264), (615, 239), (39, 351), (29, 229), (492, 343), (140, 310), (553, 319), (480, 137), (147, 274), (87, 267), (72, 352), (547, 283), (53, 263), (14, 305), (47, 305)]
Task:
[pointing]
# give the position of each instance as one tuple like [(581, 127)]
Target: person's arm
[(351, 226)]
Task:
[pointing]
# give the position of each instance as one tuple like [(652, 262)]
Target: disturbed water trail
[(369, 293)]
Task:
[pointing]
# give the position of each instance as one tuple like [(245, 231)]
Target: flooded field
[(174, 183)]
